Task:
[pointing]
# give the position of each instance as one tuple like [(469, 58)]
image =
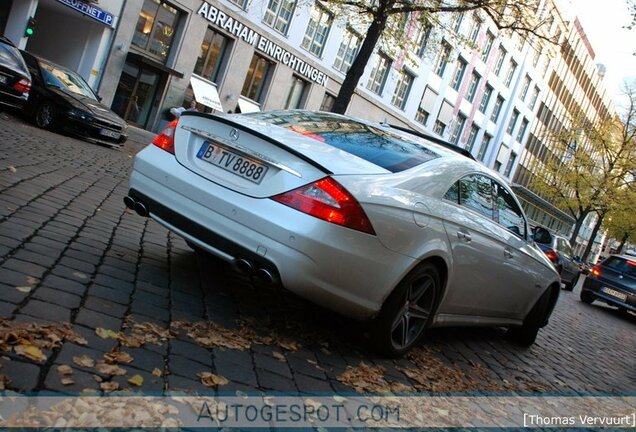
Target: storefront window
[(297, 92), (156, 28), (257, 78), (212, 55), (327, 102)]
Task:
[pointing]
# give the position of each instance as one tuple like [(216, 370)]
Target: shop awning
[(247, 106), (205, 93)]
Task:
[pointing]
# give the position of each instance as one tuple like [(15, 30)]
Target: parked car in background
[(15, 79), (613, 281), (373, 222), (560, 253), (61, 99)]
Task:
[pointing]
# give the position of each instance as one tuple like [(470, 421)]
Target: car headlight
[(79, 114)]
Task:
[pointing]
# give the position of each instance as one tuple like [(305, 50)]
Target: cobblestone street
[(71, 252)]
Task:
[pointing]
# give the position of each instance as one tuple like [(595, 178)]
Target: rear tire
[(587, 297), (534, 321), (569, 286), (407, 312)]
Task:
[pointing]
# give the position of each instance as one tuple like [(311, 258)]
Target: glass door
[(135, 94)]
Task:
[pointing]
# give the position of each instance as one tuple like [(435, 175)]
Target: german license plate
[(236, 163), (109, 133), (614, 293), (3, 79)]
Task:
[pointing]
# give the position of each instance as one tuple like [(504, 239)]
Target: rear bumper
[(339, 268), (595, 287), (12, 100)]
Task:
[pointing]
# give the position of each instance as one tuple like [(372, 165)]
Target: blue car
[(613, 281)]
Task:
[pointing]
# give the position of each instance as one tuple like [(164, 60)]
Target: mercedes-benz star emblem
[(234, 134)]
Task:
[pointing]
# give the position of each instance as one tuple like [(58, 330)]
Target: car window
[(564, 246), (453, 193), (507, 212), (66, 80), (383, 148), (476, 194), (627, 267)]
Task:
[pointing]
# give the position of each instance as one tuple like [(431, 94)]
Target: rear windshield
[(11, 56), (627, 267), (385, 149)]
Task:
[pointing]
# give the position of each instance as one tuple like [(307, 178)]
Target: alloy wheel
[(44, 116), (412, 318)]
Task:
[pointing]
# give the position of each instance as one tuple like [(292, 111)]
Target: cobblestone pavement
[(65, 234)]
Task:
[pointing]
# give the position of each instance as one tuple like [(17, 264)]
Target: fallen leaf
[(67, 381), (80, 275), (109, 386), (279, 356), (65, 370), (4, 380), (30, 351), (211, 380), (156, 372), (32, 281), (289, 345), (84, 361), (118, 357), (106, 333), (24, 289), (12, 169), (98, 378), (109, 369), (136, 380)]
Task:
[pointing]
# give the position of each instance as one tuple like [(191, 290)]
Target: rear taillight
[(326, 199), (165, 140), (551, 254), (596, 270), (24, 85)]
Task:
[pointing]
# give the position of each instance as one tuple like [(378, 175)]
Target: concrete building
[(572, 86), (497, 96)]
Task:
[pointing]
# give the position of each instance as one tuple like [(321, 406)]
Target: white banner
[(355, 411)]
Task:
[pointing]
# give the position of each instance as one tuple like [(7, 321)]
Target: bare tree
[(520, 16)]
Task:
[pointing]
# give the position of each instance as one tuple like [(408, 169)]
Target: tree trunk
[(578, 223), (590, 243), (374, 32), (623, 241)]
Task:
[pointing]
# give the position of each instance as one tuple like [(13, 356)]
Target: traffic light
[(30, 28)]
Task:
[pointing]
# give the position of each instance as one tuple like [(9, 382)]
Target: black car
[(61, 99), (560, 253), (612, 281), (15, 79)]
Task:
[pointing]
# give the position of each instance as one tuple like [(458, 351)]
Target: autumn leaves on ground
[(427, 373)]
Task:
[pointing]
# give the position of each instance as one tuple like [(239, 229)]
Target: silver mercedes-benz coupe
[(372, 221)]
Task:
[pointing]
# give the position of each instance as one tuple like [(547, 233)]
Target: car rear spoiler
[(438, 141)]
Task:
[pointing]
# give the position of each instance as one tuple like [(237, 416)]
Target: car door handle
[(508, 253), (464, 236)]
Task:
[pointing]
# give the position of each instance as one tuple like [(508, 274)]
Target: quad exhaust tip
[(137, 206), (258, 274)]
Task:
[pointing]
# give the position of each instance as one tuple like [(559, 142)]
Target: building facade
[(497, 96)]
